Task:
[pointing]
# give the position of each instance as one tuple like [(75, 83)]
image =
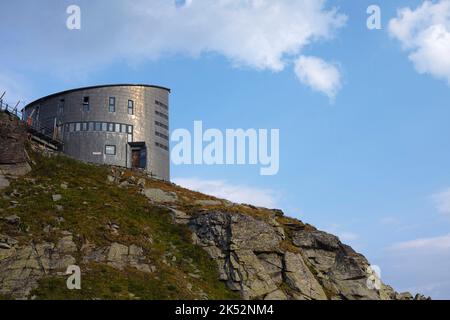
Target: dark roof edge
[(94, 87)]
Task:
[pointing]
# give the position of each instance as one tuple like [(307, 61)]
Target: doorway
[(135, 158), (138, 155)]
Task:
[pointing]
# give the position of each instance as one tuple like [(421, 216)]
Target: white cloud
[(419, 265), (237, 193), (347, 236), (424, 244), (425, 34), (259, 34), (319, 75), (442, 201)]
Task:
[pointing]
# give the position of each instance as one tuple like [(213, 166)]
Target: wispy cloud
[(427, 244), (237, 193), (423, 262), (319, 75), (442, 201), (425, 33), (257, 34)]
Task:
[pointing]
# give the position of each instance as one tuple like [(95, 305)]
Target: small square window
[(110, 150)]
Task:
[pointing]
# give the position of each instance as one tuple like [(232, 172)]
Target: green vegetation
[(88, 205)]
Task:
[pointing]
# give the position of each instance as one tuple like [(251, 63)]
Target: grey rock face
[(252, 260), (341, 270), (300, 278), (23, 266), (4, 183), (119, 256), (208, 203), (160, 196), (179, 217), (246, 250)]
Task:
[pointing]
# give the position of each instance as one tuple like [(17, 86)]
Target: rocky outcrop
[(341, 271), (118, 256), (23, 266), (252, 258)]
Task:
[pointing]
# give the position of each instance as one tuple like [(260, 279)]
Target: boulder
[(160, 196)]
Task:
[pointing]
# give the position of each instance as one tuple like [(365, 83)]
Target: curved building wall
[(122, 125)]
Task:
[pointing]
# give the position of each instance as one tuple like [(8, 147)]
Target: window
[(112, 104), (117, 127), (124, 128), (161, 135), (130, 129), (104, 126), (110, 150), (162, 146), (86, 104), (162, 125), (77, 126), (130, 107), (72, 127), (84, 126), (98, 126), (159, 103), (111, 127), (162, 115), (61, 107)]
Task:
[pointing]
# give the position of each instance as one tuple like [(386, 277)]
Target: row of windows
[(162, 146), (162, 115), (99, 126), (159, 103), (111, 105), (162, 135), (162, 125)]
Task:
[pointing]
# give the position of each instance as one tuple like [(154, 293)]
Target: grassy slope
[(89, 203)]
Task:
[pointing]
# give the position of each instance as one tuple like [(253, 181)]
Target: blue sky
[(363, 114)]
